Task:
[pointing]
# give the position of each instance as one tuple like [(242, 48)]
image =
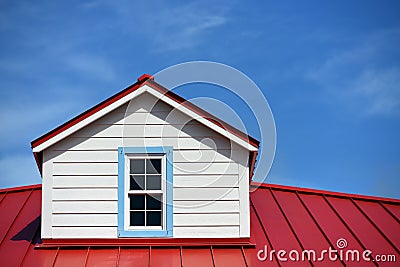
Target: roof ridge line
[(21, 188)]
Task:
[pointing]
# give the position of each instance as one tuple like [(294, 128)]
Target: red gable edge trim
[(204, 114), (142, 80), (324, 192)]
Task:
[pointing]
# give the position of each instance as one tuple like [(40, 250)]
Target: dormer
[(145, 163)]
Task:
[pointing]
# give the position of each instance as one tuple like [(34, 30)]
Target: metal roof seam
[(149, 263), (119, 255), (374, 225), (347, 226), (318, 226), (244, 256), (3, 197), (264, 231), (13, 221), (180, 254), (289, 224), (388, 211), (56, 256), (35, 236), (212, 256), (87, 256)]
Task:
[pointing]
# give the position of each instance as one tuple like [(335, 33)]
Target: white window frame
[(127, 192)]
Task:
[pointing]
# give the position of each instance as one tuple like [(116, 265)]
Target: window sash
[(128, 192)]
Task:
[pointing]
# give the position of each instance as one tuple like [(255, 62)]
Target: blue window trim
[(168, 231)]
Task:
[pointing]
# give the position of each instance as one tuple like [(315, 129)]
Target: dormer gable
[(145, 163)]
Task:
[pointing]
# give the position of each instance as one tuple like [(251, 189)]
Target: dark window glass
[(137, 166), (153, 166), (153, 182), (137, 182), (153, 218), (137, 218), (137, 202), (153, 202)]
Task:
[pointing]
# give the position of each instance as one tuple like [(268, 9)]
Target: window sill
[(144, 233)]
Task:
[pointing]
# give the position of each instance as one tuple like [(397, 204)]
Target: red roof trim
[(141, 81), (141, 242), (88, 112), (204, 113), (324, 192), (21, 188)]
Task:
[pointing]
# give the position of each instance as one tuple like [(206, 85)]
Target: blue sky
[(330, 72)]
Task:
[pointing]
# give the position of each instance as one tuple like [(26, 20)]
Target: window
[(145, 191)]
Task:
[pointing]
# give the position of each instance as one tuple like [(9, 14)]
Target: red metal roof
[(282, 218), (142, 80)]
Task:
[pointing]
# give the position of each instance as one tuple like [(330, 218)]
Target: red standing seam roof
[(282, 217)]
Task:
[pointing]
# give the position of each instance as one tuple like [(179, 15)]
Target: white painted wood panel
[(196, 155), (212, 194), (85, 207), (180, 168), (140, 130), (85, 181), (85, 194), (86, 156), (85, 219), (227, 181), (209, 168), (85, 169), (207, 232), (190, 155), (204, 206), (77, 143), (85, 232), (206, 219)]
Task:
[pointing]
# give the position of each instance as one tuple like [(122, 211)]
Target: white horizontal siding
[(148, 130), (208, 168), (206, 181), (212, 219), (84, 232), (85, 181), (204, 206), (85, 173), (85, 207), (85, 194), (85, 168), (85, 219), (205, 155), (110, 168), (207, 232), (212, 194), (83, 143)]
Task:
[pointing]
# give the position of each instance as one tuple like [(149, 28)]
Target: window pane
[(137, 166), (153, 182), (153, 166), (153, 202), (137, 202), (137, 218), (154, 218), (137, 182)]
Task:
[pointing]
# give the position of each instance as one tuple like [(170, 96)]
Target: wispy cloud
[(172, 27), (358, 78)]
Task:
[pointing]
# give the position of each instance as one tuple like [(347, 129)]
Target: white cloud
[(362, 78)]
